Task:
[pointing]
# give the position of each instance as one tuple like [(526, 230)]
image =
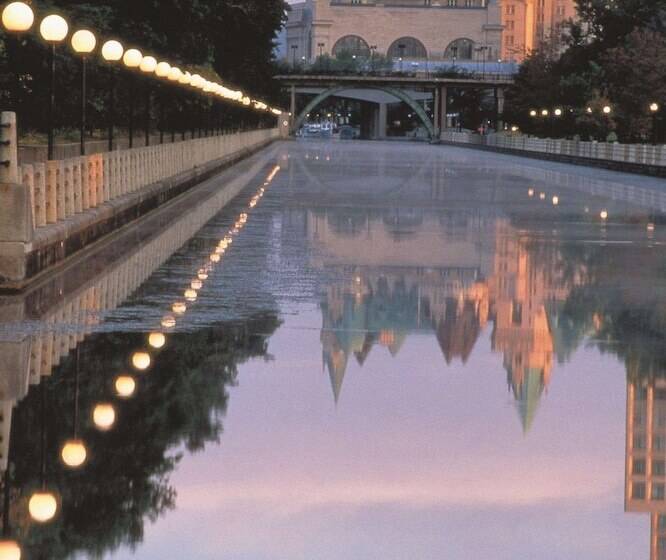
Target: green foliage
[(225, 38)]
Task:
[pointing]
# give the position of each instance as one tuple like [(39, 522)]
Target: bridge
[(412, 90)]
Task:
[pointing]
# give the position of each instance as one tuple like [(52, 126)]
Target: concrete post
[(16, 221), (436, 112), (499, 108), (444, 107), (382, 117)]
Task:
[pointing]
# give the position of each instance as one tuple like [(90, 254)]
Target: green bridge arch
[(399, 94)]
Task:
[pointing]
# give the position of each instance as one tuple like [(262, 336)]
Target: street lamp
[(654, 109), (17, 17), (53, 30), (294, 48), (533, 113), (321, 48), (9, 550), (132, 59), (104, 416), (125, 386), (147, 66), (112, 51), (83, 43), (607, 109)]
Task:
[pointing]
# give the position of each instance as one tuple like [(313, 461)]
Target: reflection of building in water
[(645, 471), (447, 276)]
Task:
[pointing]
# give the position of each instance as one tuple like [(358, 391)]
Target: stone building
[(464, 30), (528, 23)]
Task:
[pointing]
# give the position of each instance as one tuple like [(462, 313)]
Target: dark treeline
[(229, 41), (613, 55)]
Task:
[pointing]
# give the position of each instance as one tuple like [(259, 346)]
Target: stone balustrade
[(50, 210), (632, 155), (61, 189)]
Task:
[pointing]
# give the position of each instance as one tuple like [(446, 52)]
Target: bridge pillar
[(499, 108), (437, 117), (444, 108), (382, 117)]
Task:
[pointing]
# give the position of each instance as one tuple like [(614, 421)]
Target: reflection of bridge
[(382, 90)]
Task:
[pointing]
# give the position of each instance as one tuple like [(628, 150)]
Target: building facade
[(465, 30), (528, 23)]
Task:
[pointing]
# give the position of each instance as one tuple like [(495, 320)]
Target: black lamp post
[(132, 60), (83, 43), (112, 51), (53, 30)]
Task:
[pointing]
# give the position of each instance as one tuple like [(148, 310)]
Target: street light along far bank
[(18, 17), (83, 43)]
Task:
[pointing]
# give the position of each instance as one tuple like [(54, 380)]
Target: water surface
[(371, 350)]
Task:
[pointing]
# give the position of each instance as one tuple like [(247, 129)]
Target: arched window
[(460, 49), (351, 44), (407, 47)]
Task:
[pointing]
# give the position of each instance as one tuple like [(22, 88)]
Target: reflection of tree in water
[(180, 403)]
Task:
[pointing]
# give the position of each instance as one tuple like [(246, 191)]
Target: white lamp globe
[(84, 41), (185, 79), (168, 321), (174, 74), (132, 58), (74, 453), (53, 28), (125, 386), (156, 340), (42, 507), (163, 69), (148, 64), (112, 51), (104, 416), (17, 17), (141, 360)]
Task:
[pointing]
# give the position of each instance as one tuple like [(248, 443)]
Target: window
[(638, 466), (661, 521), (351, 45), (407, 47), (460, 49), (658, 468), (638, 491), (639, 442), (510, 10), (658, 492), (658, 443)]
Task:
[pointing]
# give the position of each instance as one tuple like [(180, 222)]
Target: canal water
[(350, 350)]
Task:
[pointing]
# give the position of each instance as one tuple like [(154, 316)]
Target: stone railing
[(50, 210), (633, 154), (61, 189)]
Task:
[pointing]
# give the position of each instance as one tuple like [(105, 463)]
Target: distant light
[(533, 113), (162, 70), (556, 200), (190, 295), (148, 64), (650, 226), (141, 360), (104, 416), (179, 307), (42, 506), (112, 51), (530, 192), (169, 322), (607, 109), (84, 41), (125, 386), (202, 274), (132, 58), (654, 107), (544, 112), (604, 214), (196, 284), (558, 112), (542, 196)]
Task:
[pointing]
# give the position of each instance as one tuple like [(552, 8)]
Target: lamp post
[(53, 30), (83, 43), (373, 49), (294, 48), (321, 48), (654, 110), (17, 18), (162, 71), (147, 66), (132, 60), (112, 51)]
